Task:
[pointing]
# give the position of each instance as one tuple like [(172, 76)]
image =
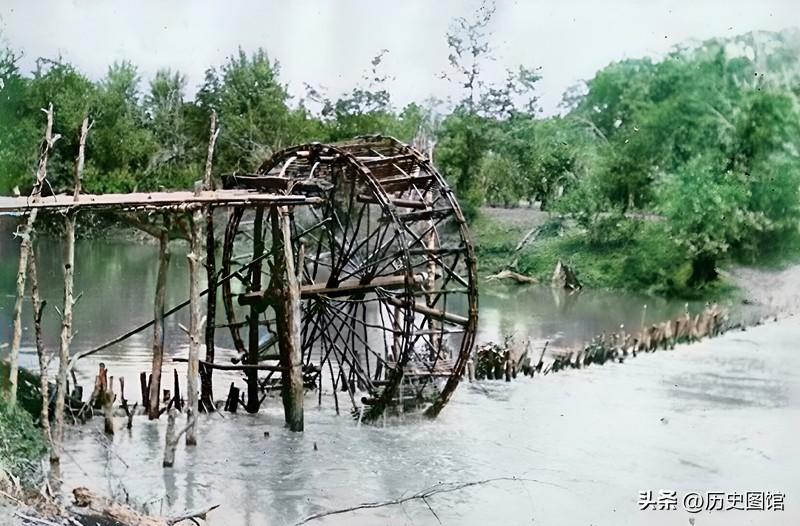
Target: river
[(721, 415)]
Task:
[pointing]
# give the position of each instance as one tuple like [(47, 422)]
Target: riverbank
[(633, 254)]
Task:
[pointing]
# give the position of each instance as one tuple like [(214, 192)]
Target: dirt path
[(777, 290)]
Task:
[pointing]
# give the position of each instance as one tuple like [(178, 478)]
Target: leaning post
[(195, 323), (24, 250)]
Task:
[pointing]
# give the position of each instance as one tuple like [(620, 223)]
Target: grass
[(21, 443), (494, 243)]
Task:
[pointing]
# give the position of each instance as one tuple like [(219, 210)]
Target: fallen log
[(92, 508), (513, 276)]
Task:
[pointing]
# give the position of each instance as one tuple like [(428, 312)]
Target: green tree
[(121, 146), (253, 108), (71, 94), (19, 133)]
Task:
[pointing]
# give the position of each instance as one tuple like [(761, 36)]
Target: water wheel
[(386, 271)]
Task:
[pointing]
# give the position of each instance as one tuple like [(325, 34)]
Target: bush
[(648, 261), (613, 230), (21, 444)]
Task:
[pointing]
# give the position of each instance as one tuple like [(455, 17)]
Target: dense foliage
[(21, 443), (702, 145)]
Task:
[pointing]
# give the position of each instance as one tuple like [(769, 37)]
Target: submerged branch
[(421, 495)]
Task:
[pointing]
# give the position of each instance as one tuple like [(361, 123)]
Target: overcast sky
[(330, 43)]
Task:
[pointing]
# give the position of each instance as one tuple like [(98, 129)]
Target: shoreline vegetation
[(656, 174), (531, 243)]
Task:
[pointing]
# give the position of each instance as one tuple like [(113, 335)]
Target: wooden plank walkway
[(145, 200)]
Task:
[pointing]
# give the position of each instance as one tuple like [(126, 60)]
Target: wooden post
[(158, 321), (66, 321), (24, 251), (195, 325), (206, 384), (287, 291), (396, 330), (253, 334), (430, 285), (145, 388), (232, 402), (41, 351), (108, 406), (176, 387), (129, 412), (171, 441)]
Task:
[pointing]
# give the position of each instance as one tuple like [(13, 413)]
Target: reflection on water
[(568, 320), (719, 416), (722, 415)]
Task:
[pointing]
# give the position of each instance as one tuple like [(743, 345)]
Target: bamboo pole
[(24, 251), (195, 325), (288, 317), (158, 323), (206, 373), (69, 302)]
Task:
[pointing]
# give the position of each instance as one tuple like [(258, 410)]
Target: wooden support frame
[(286, 287)]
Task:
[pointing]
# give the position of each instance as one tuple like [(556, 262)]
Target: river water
[(722, 415)]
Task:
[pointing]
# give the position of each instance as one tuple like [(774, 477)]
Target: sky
[(330, 43)]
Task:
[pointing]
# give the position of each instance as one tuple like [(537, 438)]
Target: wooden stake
[(158, 317), (108, 407), (171, 439), (176, 386), (288, 319), (143, 385), (24, 251), (232, 402)]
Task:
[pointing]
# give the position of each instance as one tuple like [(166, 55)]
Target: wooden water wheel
[(386, 273)]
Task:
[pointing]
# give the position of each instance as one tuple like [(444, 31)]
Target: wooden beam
[(402, 183), (275, 183), (400, 203), (423, 215), (431, 312), (345, 288), (179, 199), (235, 367)]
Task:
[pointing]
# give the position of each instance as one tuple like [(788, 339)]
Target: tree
[(253, 110), (707, 213), (71, 93), (122, 144), (18, 134), (176, 160)]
